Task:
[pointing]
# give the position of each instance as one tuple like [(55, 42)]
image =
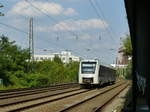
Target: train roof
[(89, 60), (95, 60), (108, 66)]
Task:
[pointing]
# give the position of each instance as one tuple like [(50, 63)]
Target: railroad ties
[(60, 98)]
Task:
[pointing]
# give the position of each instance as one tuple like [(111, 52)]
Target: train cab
[(88, 72)]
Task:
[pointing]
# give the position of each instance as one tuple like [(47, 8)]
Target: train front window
[(88, 67)]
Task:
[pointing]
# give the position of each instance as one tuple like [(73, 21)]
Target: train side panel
[(106, 75)]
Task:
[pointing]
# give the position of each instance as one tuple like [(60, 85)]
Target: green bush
[(17, 72), (125, 73)]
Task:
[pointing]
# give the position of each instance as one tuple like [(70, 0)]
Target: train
[(92, 72)]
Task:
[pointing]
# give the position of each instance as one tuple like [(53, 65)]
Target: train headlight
[(87, 80)]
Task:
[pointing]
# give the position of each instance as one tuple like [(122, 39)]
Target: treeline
[(125, 73), (17, 72), (127, 46)]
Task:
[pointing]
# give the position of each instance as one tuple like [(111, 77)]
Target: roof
[(121, 49), (89, 60)]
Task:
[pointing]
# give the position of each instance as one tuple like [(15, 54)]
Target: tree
[(12, 60), (57, 60), (128, 52), (129, 70), (127, 45), (14, 64)]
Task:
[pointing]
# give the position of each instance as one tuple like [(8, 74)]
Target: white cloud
[(76, 25), (70, 11), (25, 9)]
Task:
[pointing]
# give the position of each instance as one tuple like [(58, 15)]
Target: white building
[(65, 56)]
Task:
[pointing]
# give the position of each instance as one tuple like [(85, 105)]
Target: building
[(65, 56), (122, 60)]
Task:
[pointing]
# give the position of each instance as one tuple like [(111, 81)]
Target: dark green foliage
[(129, 71), (12, 59), (127, 46), (73, 70), (126, 72), (57, 60), (53, 72), (128, 51), (17, 72)]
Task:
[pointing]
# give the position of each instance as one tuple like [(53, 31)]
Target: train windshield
[(88, 67)]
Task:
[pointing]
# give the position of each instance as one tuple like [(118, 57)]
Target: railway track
[(70, 99), (4, 93), (34, 91)]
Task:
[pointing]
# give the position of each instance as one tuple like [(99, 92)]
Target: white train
[(91, 72)]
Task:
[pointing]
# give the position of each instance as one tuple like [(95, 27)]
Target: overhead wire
[(41, 12), (44, 12), (47, 16), (97, 12), (19, 30), (14, 28), (76, 35), (74, 19), (54, 19), (103, 15)]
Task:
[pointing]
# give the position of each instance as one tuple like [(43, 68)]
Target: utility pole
[(99, 37), (57, 38), (31, 40), (77, 37)]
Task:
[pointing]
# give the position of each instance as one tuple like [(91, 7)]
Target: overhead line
[(103, 15), (14, 28), (90, 1), (58, 10), (74, 19), (48, 16)]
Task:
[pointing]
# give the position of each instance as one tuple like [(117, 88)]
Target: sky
[(88, 28)]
